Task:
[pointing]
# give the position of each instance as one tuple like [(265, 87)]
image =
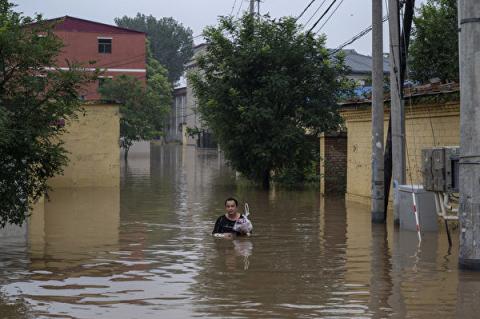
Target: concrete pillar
[(469, 212)]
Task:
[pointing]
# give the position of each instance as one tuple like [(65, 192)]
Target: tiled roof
[(410, 92), (362, 64)]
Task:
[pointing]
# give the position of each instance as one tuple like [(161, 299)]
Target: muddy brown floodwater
[(145, 251)]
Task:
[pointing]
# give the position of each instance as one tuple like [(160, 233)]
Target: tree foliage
[(143, 107), (34, 106), (265, 89), (171, 43), (434, 48)]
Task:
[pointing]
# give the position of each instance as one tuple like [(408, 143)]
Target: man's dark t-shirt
[(224, 225)]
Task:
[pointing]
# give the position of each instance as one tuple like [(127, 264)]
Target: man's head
[(231, 205)]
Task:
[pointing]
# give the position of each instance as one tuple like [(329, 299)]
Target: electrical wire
[(329, 17), (239, 8), (305, 10), (117, 63), (233, 7), (321, 17), (315, 13), (356, 37)]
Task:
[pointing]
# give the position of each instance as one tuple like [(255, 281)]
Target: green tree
[(34, 106), (265, 89), (143, 108), (434, 48), (171, 43)]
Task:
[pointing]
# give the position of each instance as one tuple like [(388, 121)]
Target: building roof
[(73, 24), (362, 64), (415, 92), (180, 91)]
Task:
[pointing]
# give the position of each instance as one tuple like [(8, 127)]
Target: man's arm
[(216, 228)]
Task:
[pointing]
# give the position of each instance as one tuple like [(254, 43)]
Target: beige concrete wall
[(94, 150), (425, 125)]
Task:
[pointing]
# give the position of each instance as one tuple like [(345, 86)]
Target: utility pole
[(407, 28), (396, 107), (469, 210), (378, 186), (252, 7)]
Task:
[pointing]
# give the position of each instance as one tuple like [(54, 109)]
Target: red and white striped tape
[(416, 216)]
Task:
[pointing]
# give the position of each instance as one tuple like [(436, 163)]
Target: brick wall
[(333, 159), (426, 125)]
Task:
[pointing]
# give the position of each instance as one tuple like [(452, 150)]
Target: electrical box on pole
[(440, 169)]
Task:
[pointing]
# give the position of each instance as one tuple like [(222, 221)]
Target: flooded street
[(145, 251)]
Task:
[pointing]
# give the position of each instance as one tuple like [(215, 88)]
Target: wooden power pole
[(469, 211), (252, 7), (378, 186), (396, 106)]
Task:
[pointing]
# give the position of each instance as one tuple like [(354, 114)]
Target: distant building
[(203, 138), (115, 50), (360, 66), (92, 141), (176, 122)]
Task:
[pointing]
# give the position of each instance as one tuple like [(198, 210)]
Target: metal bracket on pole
[(469, 20)]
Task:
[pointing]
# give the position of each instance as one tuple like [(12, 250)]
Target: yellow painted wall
[(94, 150), (425, 125)]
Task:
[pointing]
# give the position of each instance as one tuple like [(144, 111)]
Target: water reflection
[(468, 294), (381, 285), (13, 262), (145, 251), (74, 223)]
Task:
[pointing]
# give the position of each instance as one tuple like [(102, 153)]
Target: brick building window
[(103, 80), (104, 45)]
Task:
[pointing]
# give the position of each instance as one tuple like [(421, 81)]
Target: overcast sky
[(350, 18)]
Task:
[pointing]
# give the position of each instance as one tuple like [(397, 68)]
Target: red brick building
[(115, 50)]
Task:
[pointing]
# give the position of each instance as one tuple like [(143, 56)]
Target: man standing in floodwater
[(232, 222)]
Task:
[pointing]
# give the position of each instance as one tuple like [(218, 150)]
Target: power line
[(321, 17), (304, 10), (356, 37), (329, 17), (315, 13), (239, 8), (233, 7)]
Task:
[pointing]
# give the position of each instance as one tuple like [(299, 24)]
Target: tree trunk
[(266, 179), (125, 154)]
